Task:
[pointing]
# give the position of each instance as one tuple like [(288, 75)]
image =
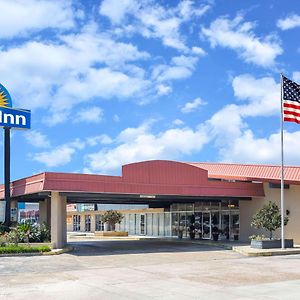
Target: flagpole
[(282, 168)]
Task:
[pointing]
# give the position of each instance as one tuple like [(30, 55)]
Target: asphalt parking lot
[(149, 270)]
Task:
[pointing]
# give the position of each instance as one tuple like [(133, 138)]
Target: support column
[(93, 222), (82, 222), (45, 212), (58, 220)]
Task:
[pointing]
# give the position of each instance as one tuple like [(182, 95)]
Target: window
[(277, 185), (99, 223), (76, 223)]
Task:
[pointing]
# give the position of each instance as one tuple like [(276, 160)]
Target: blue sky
[(116, 81)]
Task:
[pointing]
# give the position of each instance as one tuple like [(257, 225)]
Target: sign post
[(10, 118), (7, 175)]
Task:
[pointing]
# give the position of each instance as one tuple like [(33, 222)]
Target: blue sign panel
[(16, 118), (21, 205)]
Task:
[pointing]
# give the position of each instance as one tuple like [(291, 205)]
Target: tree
[(112, 217), (269, 218)]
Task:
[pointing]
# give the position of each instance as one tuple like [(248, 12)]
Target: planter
[(215, 236), (269, 244), (111, 233)]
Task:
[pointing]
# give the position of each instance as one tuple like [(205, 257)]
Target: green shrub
[(3, 228), (14, 237), (257, 237), (268, 218), (24, 231), (23, 249)]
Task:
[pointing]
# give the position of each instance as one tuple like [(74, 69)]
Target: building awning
[(159, 178)]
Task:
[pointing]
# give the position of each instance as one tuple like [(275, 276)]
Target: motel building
[(161, 198)]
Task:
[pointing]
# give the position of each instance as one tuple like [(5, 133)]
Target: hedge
[(23, 249)]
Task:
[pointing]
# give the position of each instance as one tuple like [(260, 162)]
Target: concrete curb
[(247, 251), (52, 252), (59, 251)]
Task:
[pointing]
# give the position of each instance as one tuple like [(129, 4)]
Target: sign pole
[(282, 169), (7, 175)]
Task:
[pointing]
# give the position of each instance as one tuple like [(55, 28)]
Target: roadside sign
[(14, 118)]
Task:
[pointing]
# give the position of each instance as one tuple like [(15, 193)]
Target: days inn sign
[(12, 117)]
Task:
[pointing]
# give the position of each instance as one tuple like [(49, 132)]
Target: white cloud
[(22, 17), (178, 122), (102, 70), (198, 51), (225, 125), (134, 144), (163, 89), (90, 115), (187, 9), (250, 149), (296, 77), (238, 35), (116, 118), (291, 21), (256, 97), (262, 95), (235, 141), (37, 139), (192, 106), (116, 10), (103, 139), (59, 156), (152, 20), (181, 67)]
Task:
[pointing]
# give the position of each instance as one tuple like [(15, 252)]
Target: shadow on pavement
[(119, 247)]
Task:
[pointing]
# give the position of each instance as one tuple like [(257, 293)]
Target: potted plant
[(180, 232), (192, 231), (215, 233), (236, 235), (112, 217), (268, 218)]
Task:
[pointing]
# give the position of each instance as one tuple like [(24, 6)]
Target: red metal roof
[(158, 177), (250, 172)]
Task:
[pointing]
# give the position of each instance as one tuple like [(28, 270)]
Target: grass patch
[(8, 249)]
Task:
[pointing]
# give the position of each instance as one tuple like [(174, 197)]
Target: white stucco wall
[(292, 203)]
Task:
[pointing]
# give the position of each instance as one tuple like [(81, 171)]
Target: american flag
[(291, 100)]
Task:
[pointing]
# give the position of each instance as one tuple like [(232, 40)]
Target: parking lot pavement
[(149, 270)]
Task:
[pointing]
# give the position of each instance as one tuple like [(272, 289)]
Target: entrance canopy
[(144, 182)]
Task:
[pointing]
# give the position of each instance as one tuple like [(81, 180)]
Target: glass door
[(87, 223), (198, 225), (182, 224), (142, 224), (206, 225), (225, 226)]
